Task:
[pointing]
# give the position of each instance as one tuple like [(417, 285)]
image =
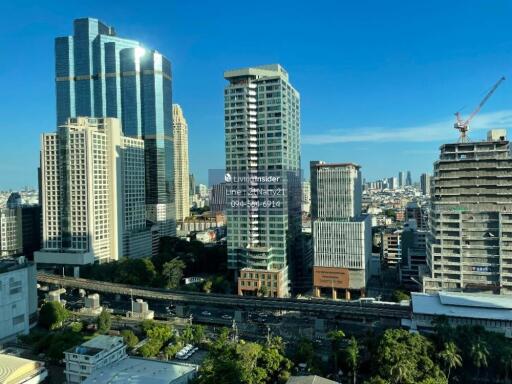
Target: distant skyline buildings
[(99, 74)]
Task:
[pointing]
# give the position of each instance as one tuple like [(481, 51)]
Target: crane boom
[(463, 125)]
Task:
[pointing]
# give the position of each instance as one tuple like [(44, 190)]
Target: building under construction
[(469, 247)]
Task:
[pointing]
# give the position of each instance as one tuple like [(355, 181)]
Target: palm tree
[(506, 361), (479, 353), (336, 337), (352, 357), (450, 357)]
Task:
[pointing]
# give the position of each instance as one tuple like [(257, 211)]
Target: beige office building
[(92, 193), (181, 166)]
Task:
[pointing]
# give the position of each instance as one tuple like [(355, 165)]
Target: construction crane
[(463, 125)]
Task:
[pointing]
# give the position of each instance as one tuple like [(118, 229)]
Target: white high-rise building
[(93, 193), (306, 196), (341, 234), (18, 298), (181, 166), (10, 232)]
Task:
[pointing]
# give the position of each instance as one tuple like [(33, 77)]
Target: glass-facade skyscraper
[(99, 74)]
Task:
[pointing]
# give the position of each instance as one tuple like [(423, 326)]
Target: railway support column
[(239, 316), (319, 325), (180, 310)]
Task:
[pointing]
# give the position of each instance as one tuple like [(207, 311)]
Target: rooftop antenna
[(463, 125)]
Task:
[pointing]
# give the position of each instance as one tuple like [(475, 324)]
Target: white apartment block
[(181, 165), (87, 358), (341, 235), (92, 191), (18, 297), (10, 232)]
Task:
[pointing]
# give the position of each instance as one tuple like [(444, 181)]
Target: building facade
[(181, 165), (262, 127), (87, 358), (469, 247), (99, 74), (93, 192), (18, 297), (11, 235), (341, 235)]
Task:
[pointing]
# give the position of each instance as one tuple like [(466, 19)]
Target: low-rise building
[(252, 280), (143, 371), (89, 357), (493, 312), (16, 370), (18, 297), (392, 248)]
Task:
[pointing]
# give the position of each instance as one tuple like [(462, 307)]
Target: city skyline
[(347, 112)]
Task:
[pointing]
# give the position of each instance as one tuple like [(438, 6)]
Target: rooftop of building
[(311, 379), (135, 370), (468, 305), (9, 264), (98, 344), (270, 70), (334, 165), (15, 369)]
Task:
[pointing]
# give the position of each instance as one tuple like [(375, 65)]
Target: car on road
[(206, 313), (227, 317)]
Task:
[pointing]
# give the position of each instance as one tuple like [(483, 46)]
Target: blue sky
[(379, 80)]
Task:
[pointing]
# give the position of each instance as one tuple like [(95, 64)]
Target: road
[(317, 307)]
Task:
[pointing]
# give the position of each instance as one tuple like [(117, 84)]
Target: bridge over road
[(318, 307)]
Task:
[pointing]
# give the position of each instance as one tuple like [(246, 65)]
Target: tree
[(443, 329), (336, 337), (404, 358), (207, 286), (130, 339), (172, 349), (76, 326), (198, 333), (450, 357), (479, 354), (245, 363), (173, 272), (399, 295), (52, 315), (104, 322), (187, 334), (263, 291), (136, 272), (352, 357)]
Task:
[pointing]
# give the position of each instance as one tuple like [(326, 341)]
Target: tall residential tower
[(262, 126), (181, 166), (99, 74)]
